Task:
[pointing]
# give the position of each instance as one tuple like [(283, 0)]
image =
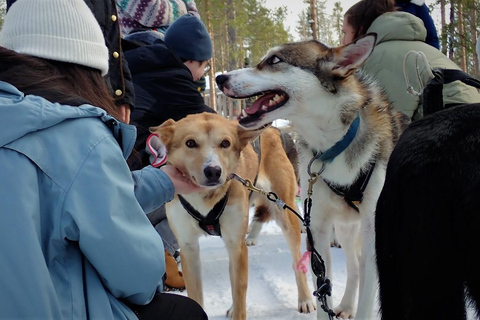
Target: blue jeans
[(158, 218)]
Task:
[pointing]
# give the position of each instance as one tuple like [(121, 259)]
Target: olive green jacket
[(397, 34)]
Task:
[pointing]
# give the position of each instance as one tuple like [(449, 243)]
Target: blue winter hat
[(189, 38)]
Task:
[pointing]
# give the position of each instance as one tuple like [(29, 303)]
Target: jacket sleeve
[(111, 228), (152, 188), (181, 96)]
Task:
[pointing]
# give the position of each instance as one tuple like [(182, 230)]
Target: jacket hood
[(418, 2), (398, 26), (21, 115)]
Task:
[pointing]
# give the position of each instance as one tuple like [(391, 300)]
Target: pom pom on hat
[(60, 30), (189, 38)]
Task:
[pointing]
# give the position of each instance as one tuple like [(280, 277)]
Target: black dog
[(428, 219)]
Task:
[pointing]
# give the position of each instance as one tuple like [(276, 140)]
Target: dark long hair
[(62, 82), (362, 14)]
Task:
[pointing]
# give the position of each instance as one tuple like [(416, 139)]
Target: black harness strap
[(353, 194), (211, 223), (433, 92)]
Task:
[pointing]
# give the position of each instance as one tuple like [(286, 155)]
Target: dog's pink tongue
[(263, 100)]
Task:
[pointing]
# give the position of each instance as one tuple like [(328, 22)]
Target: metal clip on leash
[(270, 195)]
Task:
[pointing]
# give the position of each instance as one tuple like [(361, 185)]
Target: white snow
[(272, 292)]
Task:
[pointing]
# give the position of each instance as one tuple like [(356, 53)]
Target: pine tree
[(459, 33), (3, 11), (337, 22)]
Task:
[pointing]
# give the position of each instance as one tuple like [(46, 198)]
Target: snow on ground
[(272, 292)]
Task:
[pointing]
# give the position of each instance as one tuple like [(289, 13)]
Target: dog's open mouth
[(264, 103)]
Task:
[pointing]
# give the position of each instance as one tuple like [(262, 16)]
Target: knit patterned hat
[(189, 38), (60, 30), (151, 14)]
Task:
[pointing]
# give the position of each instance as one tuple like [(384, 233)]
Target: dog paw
[(344, 312), (251, 241), (306, 306), (230, 313), (335, 244)]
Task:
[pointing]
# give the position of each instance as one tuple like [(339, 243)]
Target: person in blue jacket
[(75, 241), (419, 8)]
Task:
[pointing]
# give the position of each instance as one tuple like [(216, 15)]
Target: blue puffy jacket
[(419, 8), (74, 237)]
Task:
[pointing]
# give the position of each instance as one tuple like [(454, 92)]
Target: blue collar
[(341, 145)]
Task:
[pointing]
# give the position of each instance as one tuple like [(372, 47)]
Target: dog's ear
[(247, 136), (347, 59), (165, 131)]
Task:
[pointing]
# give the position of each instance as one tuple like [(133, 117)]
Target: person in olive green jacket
[(397, 34)]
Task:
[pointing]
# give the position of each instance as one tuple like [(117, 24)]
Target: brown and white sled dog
[(209, 149), (343, 118)]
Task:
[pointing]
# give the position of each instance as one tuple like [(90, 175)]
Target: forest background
[(243, 30)]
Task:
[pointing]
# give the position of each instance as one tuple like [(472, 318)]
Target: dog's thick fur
[(209, 148), (321, 93), (428, 219)]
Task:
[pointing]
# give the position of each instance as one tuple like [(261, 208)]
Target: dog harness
[(353, 194), (211, 223), (433, 92)]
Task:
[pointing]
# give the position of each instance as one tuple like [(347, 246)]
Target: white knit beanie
[(60, 30)]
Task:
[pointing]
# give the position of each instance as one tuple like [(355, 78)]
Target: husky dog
[(209, 149), (347, 129)]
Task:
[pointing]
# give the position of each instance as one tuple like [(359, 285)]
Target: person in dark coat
[(118, 79), (165, 68), (164, 74), (419, 8)]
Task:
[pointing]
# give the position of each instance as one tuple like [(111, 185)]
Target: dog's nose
[(221, 79), (212, 173)]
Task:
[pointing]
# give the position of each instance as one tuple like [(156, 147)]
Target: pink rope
[(303, 262)]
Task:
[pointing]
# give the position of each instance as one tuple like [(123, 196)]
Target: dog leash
[(324, 285)]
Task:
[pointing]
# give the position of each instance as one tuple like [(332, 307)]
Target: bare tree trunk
[(444, 27), (211, 74), (473, 31), (232, 34), (226, 43), (461, 33), (232, 41), (451, 31), (313, 22)]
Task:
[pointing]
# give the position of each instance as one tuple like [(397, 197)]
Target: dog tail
[(290, 148)]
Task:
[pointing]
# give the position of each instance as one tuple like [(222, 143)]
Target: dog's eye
[(225, 144), (275, 60), (191, 143)]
